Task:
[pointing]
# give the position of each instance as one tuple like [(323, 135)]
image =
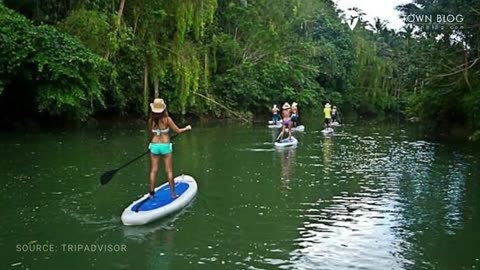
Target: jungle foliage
[(80, 58)]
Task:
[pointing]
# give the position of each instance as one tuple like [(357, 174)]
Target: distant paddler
[(335, 118), (287, 121), (327, 111), (295, 114), (276, 115)]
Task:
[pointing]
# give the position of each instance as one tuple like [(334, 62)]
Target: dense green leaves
[(246, 55), (444, 64), (64, 72), (91, 27)]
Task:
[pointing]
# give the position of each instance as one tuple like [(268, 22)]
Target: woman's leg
[(167, 159), (153, 171), (290, 126)]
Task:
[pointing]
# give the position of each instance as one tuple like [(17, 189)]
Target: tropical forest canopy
[(80, 58)]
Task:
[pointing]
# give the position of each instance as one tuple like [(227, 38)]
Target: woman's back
[(160, 129)]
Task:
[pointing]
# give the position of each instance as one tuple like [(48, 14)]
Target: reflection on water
[(403, 191), (327, 145), (287, 159)]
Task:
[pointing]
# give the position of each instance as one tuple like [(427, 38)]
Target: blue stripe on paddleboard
[(162, 197)]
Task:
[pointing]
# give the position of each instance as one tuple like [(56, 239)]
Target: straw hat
[(275, 106), (286, 106), (328, 105), (158, 105), (294, 105)]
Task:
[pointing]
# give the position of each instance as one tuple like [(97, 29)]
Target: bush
[(64, 74)]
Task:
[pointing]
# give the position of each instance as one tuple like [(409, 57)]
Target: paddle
[(108, 175)]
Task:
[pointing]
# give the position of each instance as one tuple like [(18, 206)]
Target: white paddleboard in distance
[(300, 128), (278, 125), (297, 129), (145, 209), (328, 131), (287, 142), (336, 124)]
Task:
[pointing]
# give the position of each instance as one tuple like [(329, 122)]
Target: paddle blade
[(107, 176)]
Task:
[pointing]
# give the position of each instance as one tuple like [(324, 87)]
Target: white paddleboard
[(336, 124), (145, 209), (328, 131), (286, 143), (300, 128), (297, 129), (278, 125)]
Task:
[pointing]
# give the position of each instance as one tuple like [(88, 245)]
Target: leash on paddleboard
[(140, 204), (108, 175)]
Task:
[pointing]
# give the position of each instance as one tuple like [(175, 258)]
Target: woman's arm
[(176, 129)]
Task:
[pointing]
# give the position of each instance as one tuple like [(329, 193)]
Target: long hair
[(155, 118)]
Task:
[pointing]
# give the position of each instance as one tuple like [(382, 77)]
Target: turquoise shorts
[(160, 149)]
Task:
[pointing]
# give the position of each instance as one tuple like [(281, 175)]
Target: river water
[(372, 196)]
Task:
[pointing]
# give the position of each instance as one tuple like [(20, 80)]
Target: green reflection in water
[(372, 196)]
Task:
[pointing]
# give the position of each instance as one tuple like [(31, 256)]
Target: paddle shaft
[(133, 160)]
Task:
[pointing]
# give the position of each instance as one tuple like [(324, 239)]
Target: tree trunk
[(465, 72), (107, 54), (155, 87), (117, 24), (120, 12)]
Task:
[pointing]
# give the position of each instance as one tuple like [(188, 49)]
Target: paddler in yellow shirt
[(327, 111)]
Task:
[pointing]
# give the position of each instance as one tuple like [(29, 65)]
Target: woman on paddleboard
[(287, 121), (335, 115), (295, 114), (327, 111), (160, 147)]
